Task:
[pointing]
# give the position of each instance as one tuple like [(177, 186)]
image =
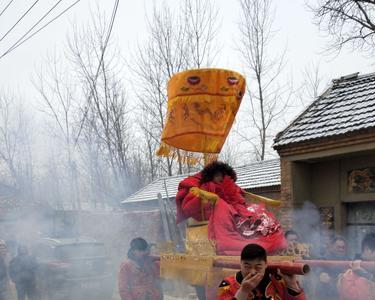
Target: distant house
[(10, 203), (22, 219), (327, 156), (262, 178)]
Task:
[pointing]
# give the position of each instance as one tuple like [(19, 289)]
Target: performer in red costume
[(358, 283), (138, 278), (212, 195), (255, 282)]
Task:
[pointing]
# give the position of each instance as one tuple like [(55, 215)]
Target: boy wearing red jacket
[(139, 278), (254, 281)]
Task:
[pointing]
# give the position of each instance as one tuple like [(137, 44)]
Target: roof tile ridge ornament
[(341, 79)]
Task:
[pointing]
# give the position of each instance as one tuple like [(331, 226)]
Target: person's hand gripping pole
[(206, 197)]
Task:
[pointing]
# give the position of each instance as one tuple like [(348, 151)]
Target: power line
[(113, 17), (15, 46), (5, 8), (19, 20), (36, 24)]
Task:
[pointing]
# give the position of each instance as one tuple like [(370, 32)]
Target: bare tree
[(16, 146), (57, 93), (175, 43), (313, 84), (51, 181), (88, 103), (201, 25), (269, 99), (349, 22), (230, 153), (156, 61), (150, 140), (105, 111), (94, 168)]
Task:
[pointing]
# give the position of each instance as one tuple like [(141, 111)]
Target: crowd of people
[(139, 278), (139, 275), (239, 227)]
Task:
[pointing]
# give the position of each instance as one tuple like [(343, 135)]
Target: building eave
[(363, 140)]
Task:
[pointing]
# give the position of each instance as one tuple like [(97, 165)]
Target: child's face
[(339, 247), (368, 254), (218, 177), (292, 238)]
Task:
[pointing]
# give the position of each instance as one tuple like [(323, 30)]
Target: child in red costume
[(213, 195), (254, 281), (138, 278), (357, 283)]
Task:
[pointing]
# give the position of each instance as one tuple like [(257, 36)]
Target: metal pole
[(164, 219)]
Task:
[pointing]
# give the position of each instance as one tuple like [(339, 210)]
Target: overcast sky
[(293, 21)]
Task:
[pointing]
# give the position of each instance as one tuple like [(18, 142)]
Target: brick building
[(327, 156)]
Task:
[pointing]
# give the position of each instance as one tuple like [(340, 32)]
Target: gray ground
[(174, 290)]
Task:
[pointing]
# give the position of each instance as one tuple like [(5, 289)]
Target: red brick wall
[(285, 212)]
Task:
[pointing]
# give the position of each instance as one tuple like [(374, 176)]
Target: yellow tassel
[(185, 157), (204, 195), (164, 150)]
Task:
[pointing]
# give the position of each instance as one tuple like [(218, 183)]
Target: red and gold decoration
[(202, 106)]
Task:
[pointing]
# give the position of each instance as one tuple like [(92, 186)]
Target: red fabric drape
[(232, 222)]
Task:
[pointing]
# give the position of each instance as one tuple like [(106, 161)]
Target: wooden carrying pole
[(286, 267), (265, 200), (341, 265)]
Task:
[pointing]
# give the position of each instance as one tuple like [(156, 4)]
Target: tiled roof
[(347, 106), (254, 175)]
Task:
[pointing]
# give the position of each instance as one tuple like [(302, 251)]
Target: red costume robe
[(136, 282), (356, 285), (232, 222), (271, 287)]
